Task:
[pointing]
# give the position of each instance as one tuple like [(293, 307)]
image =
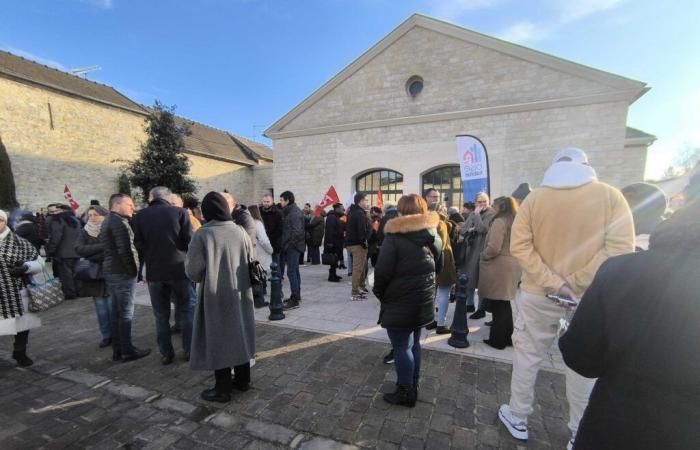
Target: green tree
[(162, 161), (8, 195)]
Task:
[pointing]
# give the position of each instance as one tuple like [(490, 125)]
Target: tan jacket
[(499, 272), (564, 235)]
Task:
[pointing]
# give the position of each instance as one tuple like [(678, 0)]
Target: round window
[(414, 86)]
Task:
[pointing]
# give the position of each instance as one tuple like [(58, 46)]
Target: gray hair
[(159, 193)]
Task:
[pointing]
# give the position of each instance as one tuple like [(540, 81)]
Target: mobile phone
[(562, 300)]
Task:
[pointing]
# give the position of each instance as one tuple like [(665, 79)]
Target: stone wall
[(85, 148), (457, 75), (79, 150), (520, 147)]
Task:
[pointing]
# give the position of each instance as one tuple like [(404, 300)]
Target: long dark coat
[(223, 332), (478, 226), (404, 277), (91, 248), (636, 330)]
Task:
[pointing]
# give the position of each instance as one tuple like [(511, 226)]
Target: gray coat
[(223, 332), (478, 226)]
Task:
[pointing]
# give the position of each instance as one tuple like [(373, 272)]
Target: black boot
[(22, 359), (403, 396)]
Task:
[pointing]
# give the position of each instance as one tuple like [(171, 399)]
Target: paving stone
[(130, 392), (317, 443), (392, 431), (87, 379), (176, 406), (269, 432)]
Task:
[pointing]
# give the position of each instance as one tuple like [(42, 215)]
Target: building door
[(448, 181), (389, 182)]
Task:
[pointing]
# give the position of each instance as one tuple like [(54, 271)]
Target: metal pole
[(459, 322), (275, 293)]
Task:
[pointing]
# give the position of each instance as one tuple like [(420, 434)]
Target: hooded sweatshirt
[(568, 227)]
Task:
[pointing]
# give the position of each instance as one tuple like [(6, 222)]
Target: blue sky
[(242, 64)]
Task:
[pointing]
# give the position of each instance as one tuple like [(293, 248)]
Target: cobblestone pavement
[(310, 391)]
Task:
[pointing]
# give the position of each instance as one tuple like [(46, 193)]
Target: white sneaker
[(517, 427), (570, 445)]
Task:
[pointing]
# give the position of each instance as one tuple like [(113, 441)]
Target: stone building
[(389, 119), (62, 129)]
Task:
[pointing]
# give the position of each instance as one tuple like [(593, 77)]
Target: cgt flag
[(69, 198), (474, 166), (329, 199)]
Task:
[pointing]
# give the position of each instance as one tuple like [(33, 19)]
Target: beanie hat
[(522, 191)]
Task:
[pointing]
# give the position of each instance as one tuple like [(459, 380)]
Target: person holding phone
[(563, 232)]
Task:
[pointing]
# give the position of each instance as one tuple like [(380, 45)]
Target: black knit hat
[(522, 191)]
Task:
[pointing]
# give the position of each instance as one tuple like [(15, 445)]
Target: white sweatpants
[(535, 330)]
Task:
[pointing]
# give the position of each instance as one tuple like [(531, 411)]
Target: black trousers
[(502, 327), (66, 273), (21, 340), (224, 382)]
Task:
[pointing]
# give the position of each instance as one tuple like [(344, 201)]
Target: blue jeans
[(443, 304), (103, 309), (290, 262), (180, 291), (406, 354), (121, 289), (470, 297)]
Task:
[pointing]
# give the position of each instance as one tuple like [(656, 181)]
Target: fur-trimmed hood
[(412, 223)]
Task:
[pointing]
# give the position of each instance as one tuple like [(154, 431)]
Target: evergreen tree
[(162, 161), (8, 196)]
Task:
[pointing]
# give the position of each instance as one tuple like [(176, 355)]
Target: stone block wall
[(457, 75), (79, 150), (84, 144), (520, 147)]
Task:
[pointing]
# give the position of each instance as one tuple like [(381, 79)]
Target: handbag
[(43, 296), (86, 270), (258, 275), (329, 259)]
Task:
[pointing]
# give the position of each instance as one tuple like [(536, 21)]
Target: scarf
[(13, 250), (93, 229)]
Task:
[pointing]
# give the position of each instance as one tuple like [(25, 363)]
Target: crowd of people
[(527, 258)]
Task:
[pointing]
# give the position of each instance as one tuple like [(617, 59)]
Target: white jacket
[(263, 247)]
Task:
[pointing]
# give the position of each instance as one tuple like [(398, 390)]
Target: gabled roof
[(211, 142), (634, 136), (24, 70), (261, 151), (634, 89)]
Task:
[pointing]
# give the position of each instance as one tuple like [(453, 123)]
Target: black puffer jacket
[(404, 277), (293, 229), (64, 230), (120, 257), (359, 227), (90, 248), (334, 232)]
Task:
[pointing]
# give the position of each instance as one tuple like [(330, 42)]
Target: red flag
[(380, 200), (69, 198), (329, 199)]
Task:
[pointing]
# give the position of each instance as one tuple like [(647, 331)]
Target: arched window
[(385, 180), (448, 181)]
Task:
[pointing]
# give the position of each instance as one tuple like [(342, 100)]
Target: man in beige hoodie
[(562, 233)]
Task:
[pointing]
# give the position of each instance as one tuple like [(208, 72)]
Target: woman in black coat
[(404, 283), (89, 247), (637, 331), (333, 242)]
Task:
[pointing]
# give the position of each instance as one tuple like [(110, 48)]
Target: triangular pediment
[(462, 71)]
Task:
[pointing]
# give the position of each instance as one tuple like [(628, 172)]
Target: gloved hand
[(19, 269)]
